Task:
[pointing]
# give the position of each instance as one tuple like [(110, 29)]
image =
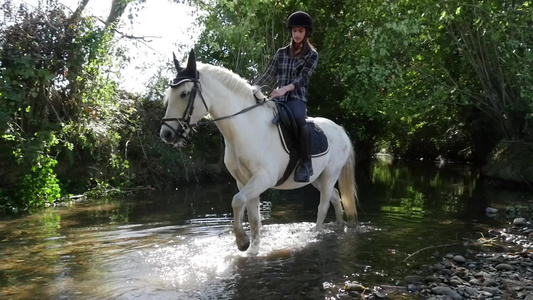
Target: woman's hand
[(277, 93), (281, 91)]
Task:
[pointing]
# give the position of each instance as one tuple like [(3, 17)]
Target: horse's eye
[(184, 94)]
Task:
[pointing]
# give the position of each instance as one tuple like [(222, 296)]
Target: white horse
[(254, 155)]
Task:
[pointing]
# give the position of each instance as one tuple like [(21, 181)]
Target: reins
[(260, 101), (185, 120)]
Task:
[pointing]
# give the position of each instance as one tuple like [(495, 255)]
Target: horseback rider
[(292, 67)]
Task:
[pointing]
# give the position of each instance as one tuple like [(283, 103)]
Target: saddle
[(289, 135)]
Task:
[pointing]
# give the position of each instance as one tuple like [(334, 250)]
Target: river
[(179, 244)]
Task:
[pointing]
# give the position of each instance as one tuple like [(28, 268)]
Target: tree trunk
[(77, 13), (117, 9)]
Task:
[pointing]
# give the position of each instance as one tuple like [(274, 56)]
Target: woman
[(293, 66)]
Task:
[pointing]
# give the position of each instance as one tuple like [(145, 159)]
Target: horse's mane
[(233, 81)]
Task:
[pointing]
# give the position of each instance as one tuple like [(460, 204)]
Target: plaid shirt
[(288, 70)]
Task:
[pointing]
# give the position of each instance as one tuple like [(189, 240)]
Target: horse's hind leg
[(335, 200), (326, 191)]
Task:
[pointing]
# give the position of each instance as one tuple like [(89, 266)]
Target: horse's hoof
[(244, 246), (341, 223)]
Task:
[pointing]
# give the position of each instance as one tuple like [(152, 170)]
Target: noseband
[(185, 121)]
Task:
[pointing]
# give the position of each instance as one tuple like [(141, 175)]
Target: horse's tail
[(348, 187)]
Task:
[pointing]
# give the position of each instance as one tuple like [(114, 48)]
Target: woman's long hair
[(306, 47)]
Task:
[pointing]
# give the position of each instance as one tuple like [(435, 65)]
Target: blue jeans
[(299, 111)]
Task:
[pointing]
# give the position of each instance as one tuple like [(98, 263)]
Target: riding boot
[(305, 168)]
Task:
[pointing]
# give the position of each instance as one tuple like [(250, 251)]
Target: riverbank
[(498, 266), (511, 162)]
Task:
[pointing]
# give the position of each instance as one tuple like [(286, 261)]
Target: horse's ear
[(176, 63), (191, 64)]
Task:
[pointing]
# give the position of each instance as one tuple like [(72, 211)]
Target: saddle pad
[(319, 141)]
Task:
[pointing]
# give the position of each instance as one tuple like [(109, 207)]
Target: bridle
[(185, 121)]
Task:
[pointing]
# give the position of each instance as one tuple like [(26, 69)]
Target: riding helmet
[(300, 19)]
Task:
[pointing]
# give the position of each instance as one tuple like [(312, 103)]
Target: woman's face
[(298, 34)]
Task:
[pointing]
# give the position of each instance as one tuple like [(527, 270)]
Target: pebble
[(502, 267), (459, 259), (455, 282), (519, 222), (437, 267), (490, 282), (492, 290), (491, 210), (456, 278), (447, 264), (444, 290), (471, 291), (446, 272), (503, 271), (354, 286), (431, 279), (379, 295), (345, 297), (413, 279), (449, 256)]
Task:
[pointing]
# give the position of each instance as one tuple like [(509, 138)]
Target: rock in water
[(491, 210), (519, 222), (354, 286), (459, 259)]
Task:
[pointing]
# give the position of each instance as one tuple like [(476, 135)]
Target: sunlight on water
[(204, 262), (193, 262), (293, 237)]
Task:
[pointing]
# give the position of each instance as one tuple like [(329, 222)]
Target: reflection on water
[(180, 245)]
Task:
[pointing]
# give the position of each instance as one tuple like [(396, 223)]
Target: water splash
[(201, 262)]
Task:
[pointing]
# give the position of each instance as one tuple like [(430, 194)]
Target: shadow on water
[(179, 245)]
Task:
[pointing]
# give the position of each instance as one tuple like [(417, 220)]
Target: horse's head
[(183, 109)]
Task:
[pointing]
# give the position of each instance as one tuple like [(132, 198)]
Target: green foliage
[(419, 66), (59, 107), (415, 77), (102, 189), (425, 78), (41, 185)]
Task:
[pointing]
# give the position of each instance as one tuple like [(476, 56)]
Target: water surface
[(179, 245)]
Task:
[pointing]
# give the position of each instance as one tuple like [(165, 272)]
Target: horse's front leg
[(254, 218), (242, 240), (248, 197)]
